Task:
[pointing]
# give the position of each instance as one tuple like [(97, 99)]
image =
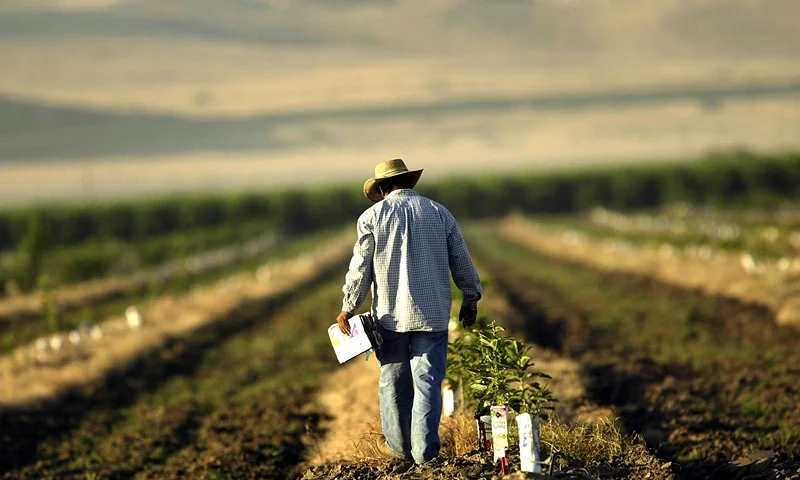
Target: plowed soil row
[(348, 401), (77, 306), (720, 276), (710, 383), (92, 293), (224, 402)]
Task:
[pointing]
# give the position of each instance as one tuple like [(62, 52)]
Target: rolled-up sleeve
[(465, 275), (359, 276)]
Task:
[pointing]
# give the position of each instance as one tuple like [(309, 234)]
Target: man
[(406, 249)]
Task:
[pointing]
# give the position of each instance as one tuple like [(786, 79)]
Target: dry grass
[(595, 442), (458, 434), (588, 442), (365, 449)]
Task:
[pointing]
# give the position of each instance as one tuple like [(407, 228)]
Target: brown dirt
[(720, 276), (636, 465), (33, 380), (199, 409), (221, 402), (348, 400), (348, 405), (707, 420)]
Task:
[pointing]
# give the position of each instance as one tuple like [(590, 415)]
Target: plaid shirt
[(407, 246)]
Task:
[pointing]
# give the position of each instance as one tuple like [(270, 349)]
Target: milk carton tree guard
[(494, 370)]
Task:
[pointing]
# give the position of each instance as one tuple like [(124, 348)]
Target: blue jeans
[(410, 392)]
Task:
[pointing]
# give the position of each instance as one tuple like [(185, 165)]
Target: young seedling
[(497, 370)]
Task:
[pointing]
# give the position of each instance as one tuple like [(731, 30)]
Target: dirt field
[(223, 402), (709, 384), (772, 288), (706, 381)]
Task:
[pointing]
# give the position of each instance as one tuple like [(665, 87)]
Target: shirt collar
[(403, 192)]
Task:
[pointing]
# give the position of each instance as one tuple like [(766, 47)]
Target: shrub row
[(290, 211), (731, 179)]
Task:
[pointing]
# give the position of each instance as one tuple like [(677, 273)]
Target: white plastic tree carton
[(499, 414), (529, 443)]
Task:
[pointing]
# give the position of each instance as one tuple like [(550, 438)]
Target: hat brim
[(371, 185)]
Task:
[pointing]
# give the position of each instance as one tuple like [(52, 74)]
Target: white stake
[(95, 332), (784, 264), (134, 317), (448, 399)]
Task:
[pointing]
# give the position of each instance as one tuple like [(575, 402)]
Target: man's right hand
[(342, 320), (467, 315)]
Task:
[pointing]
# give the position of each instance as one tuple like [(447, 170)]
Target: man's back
[(416, 244)]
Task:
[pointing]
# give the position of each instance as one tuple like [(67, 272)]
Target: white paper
[(347, 347)]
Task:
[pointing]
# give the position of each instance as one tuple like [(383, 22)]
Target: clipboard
[(364, 336)]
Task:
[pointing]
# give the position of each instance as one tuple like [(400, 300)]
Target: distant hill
[(245, 56), (34, 132), (215, 89)]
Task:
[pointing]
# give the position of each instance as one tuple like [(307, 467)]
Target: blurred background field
[(119, 98)]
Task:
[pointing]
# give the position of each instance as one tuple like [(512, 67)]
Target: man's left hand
[(467, 315), (342, 320)]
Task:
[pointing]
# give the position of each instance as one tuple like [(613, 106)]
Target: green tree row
[(292, 211), (730, 179)]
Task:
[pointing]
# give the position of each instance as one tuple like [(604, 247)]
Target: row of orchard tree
[(293, 211), (731, 179), (734, 179)]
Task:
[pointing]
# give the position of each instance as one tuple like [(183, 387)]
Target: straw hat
[(390, 169)]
